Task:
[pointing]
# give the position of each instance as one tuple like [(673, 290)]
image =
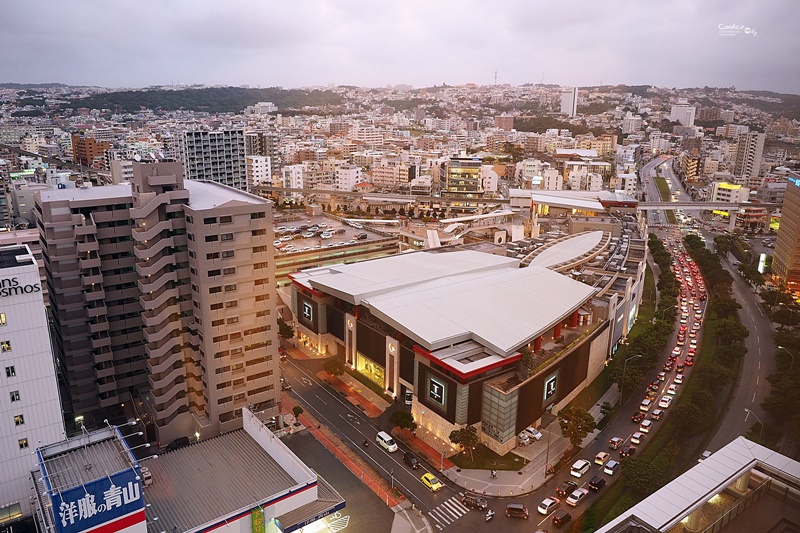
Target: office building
[(683, 113), (569, 102), (749, 149), (786, 262), (162, 293), (217, 156), (729, 192), (30, 408), (463, 179), (631, 123), (88, 151)]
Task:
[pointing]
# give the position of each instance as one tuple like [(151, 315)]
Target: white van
[(580, 467), (386, 441)]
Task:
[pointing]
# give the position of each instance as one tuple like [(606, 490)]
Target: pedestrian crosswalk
[(448, 512)]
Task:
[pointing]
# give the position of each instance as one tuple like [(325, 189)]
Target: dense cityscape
[(404, 308)]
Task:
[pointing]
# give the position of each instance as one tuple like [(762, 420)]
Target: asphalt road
[(364, 511)]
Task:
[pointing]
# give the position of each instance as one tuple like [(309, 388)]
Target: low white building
[(259, 170), (585, 181), (722, 191)]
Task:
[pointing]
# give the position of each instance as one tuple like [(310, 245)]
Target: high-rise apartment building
[(749, 149), (569, 102), (88, 151), (207, 280), (683, 113), (504, 122), (786, 262), (264, 143), (217, 156), (162, 293), (85, 235), (30, 409), (259, 170)]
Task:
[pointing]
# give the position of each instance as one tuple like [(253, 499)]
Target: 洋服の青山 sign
[(12, 287)]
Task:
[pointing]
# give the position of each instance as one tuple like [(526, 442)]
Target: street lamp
[(761, 433), (667, 309), (791, 365), (622, 384)]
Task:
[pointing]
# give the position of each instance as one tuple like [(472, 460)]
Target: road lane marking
[(756, 380), (320, 399), (754, 398)]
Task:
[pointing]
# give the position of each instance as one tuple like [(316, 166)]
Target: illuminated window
[(23, 443), (2, 319), (14, 395), (5, 346), (19, 420), (10, 372)]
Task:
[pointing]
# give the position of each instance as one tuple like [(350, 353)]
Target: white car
[(637, 437), (534, 433), (672, 389), (577, 496), (678, 378), (665, 402), (548, 505)]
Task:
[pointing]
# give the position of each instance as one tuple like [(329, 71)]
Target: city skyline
[(351, 43)]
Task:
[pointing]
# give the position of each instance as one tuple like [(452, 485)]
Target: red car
[(689, 361)]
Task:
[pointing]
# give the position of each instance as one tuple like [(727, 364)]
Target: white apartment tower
[(749, 150), (30, 407), (569, 101), (217, 156), (683, 113), (259, 170)]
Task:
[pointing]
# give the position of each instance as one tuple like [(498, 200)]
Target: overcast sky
[(296, 43)]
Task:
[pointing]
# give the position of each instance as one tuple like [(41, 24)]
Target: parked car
[(534, 433)]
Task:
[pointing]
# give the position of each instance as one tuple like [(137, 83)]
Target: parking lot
[(316, 233)]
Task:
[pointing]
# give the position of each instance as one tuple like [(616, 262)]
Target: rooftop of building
[(210, 195), (84, 458), (14, 256), (237, 473), (123, 190), (441, 299), (668, 506), (567, 249)]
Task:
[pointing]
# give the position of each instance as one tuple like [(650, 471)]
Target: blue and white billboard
[(114, 502)]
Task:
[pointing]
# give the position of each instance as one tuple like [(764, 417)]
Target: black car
[(637, 417), (566, 488), (180, 442), (597, 483), (411, 460), (474, 501), (627, 451), (561, 518)]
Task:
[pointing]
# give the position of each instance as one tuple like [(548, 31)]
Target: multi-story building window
[(14, 395), (19, 420), (5, 346), (23, 443), (2, 319), (10, 371)]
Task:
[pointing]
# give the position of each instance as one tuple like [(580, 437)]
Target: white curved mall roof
[(568, 249), (440, 299)]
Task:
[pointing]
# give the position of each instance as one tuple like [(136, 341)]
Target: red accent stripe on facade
[(461, 375), (120, 523)]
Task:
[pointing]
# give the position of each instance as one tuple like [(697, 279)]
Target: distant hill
[(31, 85), (212, 100)]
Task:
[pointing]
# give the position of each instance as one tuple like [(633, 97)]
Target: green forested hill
[(213, 100)]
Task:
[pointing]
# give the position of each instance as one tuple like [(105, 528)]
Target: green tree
[(285, 331), (411, 212), (647, 476), (730, 331), (726, 306), (466, 437), (334, 366), (403, 419), (576, 423), (297, 410), (606, 408)]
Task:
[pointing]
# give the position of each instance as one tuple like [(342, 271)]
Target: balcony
[(98, 327), (102, 356), (100, 342), (91, 279), (94, 312), (87, 246), (101, 373), (86, 264), (94, 295)]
